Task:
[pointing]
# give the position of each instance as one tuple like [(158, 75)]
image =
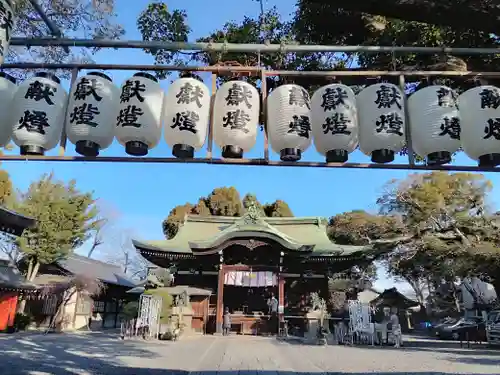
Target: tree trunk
[(418, 289), (32, 272), (59, 315), (456, 300)]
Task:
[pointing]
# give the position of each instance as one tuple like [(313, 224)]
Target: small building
[(82, 311), (392, 298), (245, 260), (368, 295), (12, 283)]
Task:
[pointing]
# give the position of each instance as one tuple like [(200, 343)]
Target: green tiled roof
[(303, 234)]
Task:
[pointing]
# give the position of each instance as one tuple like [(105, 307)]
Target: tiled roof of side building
[(11, 278), (105, 272)]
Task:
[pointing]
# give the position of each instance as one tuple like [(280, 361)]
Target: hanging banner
[(258, 279)]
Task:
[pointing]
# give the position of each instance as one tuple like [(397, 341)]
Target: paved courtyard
[(94, 353)]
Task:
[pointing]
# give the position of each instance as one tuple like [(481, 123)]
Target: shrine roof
[(302, 234), (11, 278), (392, 297), (12, 222)]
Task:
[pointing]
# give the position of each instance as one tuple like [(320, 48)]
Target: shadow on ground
[(99, 354)]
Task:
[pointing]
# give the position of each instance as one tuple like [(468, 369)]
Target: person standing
[(396, 328), (272, 304), (226, 328)]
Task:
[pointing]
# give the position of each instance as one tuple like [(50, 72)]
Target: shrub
[(166, 307), (21, 321), (131, 310)]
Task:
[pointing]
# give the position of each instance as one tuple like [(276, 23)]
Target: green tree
[(359, 227), (250, 199), (278, 208), (175, 219), (7, 197), (156, 22), (223, 201), (90, 19), (6, 188), (65, 218), (479, 15), (450, 231), (442, 220), (346, 27)]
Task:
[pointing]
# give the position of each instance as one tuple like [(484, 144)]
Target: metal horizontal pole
[(246, 162), (243, 47), (377, 73), (70, 66), (252, 69)]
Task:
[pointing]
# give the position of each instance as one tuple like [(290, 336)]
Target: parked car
[(493, 328), (475, 327), (442, 323)]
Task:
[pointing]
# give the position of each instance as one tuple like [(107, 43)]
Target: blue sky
[(143, 194)]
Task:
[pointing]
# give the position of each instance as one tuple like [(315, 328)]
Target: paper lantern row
[(335, 118), (440, 122)]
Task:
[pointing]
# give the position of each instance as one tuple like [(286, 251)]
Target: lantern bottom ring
[(382, 156), (183, 151), (290, 154), (232, 152), (489, 160), (87, 148), (136, 148), (439, 158), (32, 150), (337, 156)]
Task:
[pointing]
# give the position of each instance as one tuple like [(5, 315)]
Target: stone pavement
[(104, 354)]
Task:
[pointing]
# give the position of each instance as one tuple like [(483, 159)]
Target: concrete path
[(85, 354)]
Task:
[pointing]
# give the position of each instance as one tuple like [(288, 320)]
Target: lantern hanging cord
[(54, 30)]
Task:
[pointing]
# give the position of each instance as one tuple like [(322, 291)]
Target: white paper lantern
[(187, 115), (7, 21), (236, 118), (38, 114), (139, 120), (334, 122), (434, 123), (8, 88), (91, 117), (381, 121), (289, 121), (479, 111)]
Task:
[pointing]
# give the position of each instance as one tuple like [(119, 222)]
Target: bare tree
[(123, 253), (9, 247), (77, 284), (105, 227)]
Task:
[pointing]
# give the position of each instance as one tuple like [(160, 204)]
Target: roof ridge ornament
[(253, 213)]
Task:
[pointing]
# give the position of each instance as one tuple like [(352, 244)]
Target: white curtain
[(251, 279)]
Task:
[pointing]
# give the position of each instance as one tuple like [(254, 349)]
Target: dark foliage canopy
[(223, 201)]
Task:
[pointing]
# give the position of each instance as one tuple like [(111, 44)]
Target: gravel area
[(105, 354)]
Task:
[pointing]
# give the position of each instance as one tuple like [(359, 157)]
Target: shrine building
[(12, 283), (242, 261)]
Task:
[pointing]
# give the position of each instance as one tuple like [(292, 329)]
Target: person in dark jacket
[(226, 327)]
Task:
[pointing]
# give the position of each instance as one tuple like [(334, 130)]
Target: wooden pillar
[(281, 297), (220, 301)]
